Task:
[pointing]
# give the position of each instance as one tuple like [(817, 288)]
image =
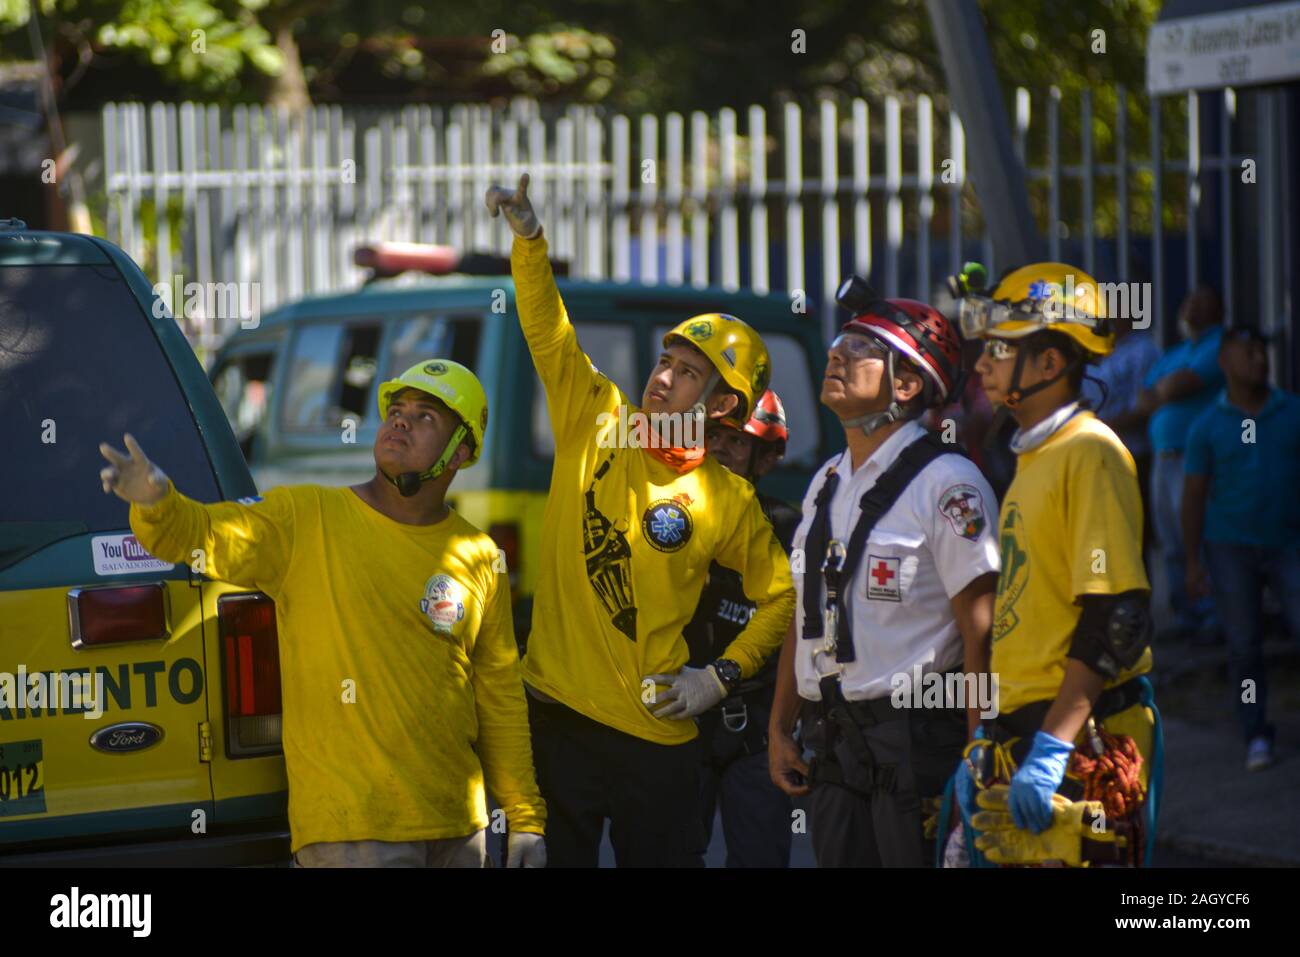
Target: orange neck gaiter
[(680, 461)]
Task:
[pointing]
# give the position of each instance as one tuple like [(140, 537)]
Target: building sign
[(1247, 46)]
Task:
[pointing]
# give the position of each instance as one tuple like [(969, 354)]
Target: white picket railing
[(280, 201)]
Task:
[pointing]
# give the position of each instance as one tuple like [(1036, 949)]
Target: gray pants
[(876, 819), (469, 851)]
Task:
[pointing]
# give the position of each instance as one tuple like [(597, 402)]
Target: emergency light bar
[(386, 260)]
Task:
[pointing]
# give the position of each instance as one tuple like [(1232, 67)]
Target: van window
[(453, 337), (792, 381), (79, 365), (611, 349), (243, 384), (331, 375)]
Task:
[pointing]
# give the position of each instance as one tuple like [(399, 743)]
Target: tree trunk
[(289, 89)]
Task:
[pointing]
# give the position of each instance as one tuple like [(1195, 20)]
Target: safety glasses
[(979, 314), (997, 349), (855, 348)]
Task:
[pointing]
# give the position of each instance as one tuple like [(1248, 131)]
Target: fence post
[(699, 199), (830, 173), (728, 219), (675, 146), (647, 194), (924, 192), (620, 197), (794, 282), (893, 192), (759, 279), (861, 190)]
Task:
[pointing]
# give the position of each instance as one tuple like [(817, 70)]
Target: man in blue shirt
[(1122, 373), (1179, 387), (1242, 467)]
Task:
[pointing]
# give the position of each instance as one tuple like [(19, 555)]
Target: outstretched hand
[(517, 208), (130, 475)]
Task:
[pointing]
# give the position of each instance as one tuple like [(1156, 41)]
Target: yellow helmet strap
[(408, 483)]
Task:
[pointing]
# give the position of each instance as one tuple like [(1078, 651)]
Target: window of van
[(453, 337), (611, 349), (332, 368), (79, 365), (793, 382), (243, 385)]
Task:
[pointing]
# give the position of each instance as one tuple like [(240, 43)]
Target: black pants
[(881, 824), (588, 772), (756, 814)]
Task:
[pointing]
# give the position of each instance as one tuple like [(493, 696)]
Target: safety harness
[(837, 562)]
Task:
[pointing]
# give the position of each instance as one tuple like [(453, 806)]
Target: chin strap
[(878, 420), (700, 407), (408, 483), (1016, 395)]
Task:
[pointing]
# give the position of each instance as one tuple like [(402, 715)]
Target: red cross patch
[(882, 579)]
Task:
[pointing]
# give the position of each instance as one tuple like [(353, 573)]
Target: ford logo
[(126, 737)]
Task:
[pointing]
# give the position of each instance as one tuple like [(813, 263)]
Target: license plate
[(22, 778)]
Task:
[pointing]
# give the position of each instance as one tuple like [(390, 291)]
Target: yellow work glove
[(1004, 843)]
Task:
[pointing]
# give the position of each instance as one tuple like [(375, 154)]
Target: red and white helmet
[(767, 424), (919, 332)]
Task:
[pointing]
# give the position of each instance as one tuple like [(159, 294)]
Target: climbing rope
[(1111, 774)]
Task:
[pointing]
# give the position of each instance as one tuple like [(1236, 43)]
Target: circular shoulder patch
[(443, 603), (667, 525)]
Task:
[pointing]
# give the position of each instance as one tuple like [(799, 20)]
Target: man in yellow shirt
[(403, 702), (628, 534), (1072, 629)]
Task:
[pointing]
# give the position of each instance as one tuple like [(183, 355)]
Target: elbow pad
[(1113, 632)]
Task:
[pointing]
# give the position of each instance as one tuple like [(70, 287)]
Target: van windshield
[(79, 365)]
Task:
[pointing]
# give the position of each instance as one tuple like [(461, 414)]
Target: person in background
[(733, 735), (1115, 399), (1179, 387), (1242, 466)]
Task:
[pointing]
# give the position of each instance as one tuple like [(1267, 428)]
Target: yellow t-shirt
[(627, 542), (417, 617), (1070, 525)]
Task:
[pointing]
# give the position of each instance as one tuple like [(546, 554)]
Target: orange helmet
[(767, 424)]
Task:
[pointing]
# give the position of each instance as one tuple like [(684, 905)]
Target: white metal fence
[(250, 195)]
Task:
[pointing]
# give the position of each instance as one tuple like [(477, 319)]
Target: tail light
[(506, 535), (250, 657), (117, 613)]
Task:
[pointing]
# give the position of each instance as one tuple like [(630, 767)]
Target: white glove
[(518, 210), (524, 849), (690, 692), (132, 477)]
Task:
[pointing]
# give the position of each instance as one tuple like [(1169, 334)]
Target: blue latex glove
[(965, 788), (1034, 784)]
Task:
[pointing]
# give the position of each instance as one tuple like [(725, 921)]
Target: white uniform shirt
[(937, 538)]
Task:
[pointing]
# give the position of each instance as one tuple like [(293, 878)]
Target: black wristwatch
[(729, 672)]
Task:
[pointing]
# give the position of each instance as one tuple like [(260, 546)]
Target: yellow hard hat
[(1041, 296), (456, 387), (735, 349)]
